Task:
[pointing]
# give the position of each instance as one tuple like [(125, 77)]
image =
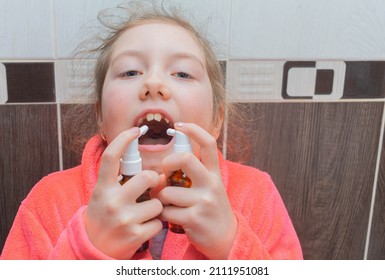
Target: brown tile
[(377, 236), (28, 151), (364, 79), (322, 158), (30, 82)]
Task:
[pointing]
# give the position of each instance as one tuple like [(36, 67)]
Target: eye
[(131, 73), (183, 75)]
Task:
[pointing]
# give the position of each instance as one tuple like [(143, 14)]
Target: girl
[(155, 69)]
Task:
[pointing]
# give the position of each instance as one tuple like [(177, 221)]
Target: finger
[(207, 142), (189, 164), (160, 187), (138, 184), (151, 228), (110, 161), (181, 197), (148, 210), (176, 215)]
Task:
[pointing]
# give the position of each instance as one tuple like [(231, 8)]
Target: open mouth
[(157, 127)]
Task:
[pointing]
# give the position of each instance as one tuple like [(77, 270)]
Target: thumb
[(163, 183)]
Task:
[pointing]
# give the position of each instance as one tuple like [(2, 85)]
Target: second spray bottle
[(178, 178)]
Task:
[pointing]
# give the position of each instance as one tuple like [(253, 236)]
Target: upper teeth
[(150, 117), (156, 117)]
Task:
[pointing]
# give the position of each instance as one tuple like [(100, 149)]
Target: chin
[(153, 161)]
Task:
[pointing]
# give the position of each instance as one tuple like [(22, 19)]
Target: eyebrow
[(141, 54), (184, 55), (127, 53)]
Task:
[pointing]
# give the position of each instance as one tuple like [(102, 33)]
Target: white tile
[(26, 29), (75, 19), (212, 18), (73, 80), (302, 29), (273, 80), (3, 84), (301, 82), (254, 80)]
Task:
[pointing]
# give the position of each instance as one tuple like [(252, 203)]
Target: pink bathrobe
[(49, 223)]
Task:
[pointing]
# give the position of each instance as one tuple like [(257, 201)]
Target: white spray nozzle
[(182, 142), (131, 162), (143, 130)]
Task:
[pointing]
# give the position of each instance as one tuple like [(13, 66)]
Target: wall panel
[(322, 157), (28, 151), (376, 250)]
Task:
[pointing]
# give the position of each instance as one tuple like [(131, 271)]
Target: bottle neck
[(125, 178)]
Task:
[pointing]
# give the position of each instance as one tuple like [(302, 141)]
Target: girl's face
[(157, 76)]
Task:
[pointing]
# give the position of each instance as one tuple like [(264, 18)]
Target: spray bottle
[(130, 165), (182, 144)]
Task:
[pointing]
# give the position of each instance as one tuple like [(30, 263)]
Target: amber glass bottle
[(179, 178), (145, 196)]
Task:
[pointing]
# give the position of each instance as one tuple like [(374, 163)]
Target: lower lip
[(155, 148)]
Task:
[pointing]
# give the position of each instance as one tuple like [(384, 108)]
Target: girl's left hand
[(203, 210)]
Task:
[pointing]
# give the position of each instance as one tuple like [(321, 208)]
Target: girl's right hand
[(115, 223)]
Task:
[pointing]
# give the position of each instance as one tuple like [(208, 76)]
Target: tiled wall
[(308, 75)]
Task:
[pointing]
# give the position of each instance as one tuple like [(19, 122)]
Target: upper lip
[(142, 115)]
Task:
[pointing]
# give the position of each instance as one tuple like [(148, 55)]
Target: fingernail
[(136, 130), (178, 124)]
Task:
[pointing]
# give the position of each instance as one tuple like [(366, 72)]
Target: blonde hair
[(137, 13), (117, 20)]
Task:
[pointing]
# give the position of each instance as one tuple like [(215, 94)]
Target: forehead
[(161, 35)]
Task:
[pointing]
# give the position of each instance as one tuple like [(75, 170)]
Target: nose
[(155, 86)]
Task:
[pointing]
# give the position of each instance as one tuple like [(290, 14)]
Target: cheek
[(114, 115), (200, 108), (111, 103)]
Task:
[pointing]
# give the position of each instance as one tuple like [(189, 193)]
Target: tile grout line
[(227, 76), (229, 30), (59, 136), (53, 30), (58, 110), (374, 189)]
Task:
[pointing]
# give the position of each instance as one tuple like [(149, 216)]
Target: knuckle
[(111, 209), (212, 142), (207, 200), (108, 157), (187, 158), (126, 221), (133, 230), (148, 178)]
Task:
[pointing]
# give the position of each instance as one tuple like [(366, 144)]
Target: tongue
[(155, 137), (152, 141)]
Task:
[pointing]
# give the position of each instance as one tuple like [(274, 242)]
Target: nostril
[(148, 93)]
